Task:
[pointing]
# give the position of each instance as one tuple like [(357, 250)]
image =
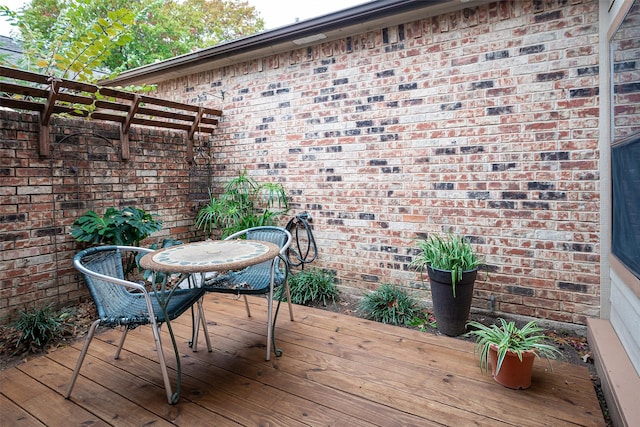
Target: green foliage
[(78, 37), (128, 226), (390, 304), (312, 286), (245, 203), (38, 327), (68, 47), (423, 321), (508, 337), (451, 253)]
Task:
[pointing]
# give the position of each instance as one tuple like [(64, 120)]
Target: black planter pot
[(451, 313)]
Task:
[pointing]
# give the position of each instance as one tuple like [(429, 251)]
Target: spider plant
[(507, 337)]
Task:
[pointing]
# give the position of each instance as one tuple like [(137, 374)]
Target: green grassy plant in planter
[(390, 304), (510, 351), (452, 265), (451, 253)]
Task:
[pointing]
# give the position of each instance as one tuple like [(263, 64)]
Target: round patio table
[(203, 257), (210, 255)]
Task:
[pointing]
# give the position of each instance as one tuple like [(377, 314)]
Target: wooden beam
[(196, 123), (44, 146), (124, 127), (124, 143), (23, 90), (20, 104), (161, 124), (132, 112), (54, 86), (51, 102), (192, 131)]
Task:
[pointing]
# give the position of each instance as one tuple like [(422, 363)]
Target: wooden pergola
[(47, 95)]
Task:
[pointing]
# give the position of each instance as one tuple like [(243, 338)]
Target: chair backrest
[(103, 273), (277, 235)]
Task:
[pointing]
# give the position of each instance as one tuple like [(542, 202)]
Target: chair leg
[(269, 322), (205, 328), (196, 328), (288, 291), (122, 338), (163, 364), (83, 353), (246, 305)]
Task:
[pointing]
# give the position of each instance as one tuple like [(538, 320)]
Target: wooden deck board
[(336, 370), (14, 415)]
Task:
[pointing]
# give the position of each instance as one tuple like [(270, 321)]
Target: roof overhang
[(355, 20)]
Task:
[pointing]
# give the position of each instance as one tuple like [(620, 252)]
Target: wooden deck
[(336, 370)]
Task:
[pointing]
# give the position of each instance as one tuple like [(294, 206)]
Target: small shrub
[(38, 327), (390, 304), (312, 286)]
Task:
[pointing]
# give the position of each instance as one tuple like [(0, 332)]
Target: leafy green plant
[(123, 227), (423, 321), (155, 30), (312, 286), (450, 253), (69, 48), (390, 304), (245, 203), (128, 226), (508, 337), (38, 327)]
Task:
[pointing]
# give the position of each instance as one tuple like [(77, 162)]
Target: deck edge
[(619, 380)]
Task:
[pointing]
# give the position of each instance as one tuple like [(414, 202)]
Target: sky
[(276, 13)]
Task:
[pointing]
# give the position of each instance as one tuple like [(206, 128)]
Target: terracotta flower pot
[(513, 373)]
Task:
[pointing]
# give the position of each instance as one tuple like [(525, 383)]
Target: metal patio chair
[(257, 279), (124, 303)]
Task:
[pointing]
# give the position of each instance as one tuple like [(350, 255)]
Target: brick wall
[(481, 122), (41, 197)]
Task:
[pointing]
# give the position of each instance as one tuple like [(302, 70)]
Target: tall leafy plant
[(154, 29), (245, 203), (127, 226), (123, 227)]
